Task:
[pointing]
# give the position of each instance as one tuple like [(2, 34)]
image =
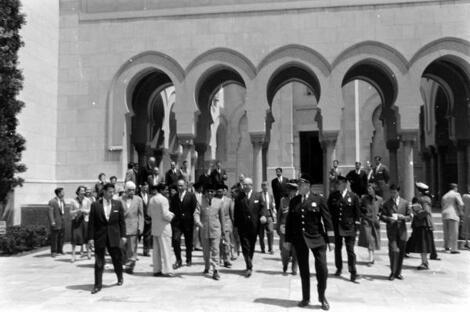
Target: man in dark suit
[(250, 213), (218, 175), (279, 187), (107, 230), (173, 175), (345, 212), (270, 219), (358, 180), (395, 213), (147, 170), (147, 235), (183, 205), (56, 221), (308, 226)]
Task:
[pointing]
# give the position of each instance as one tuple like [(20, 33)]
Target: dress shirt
[(107, 208)]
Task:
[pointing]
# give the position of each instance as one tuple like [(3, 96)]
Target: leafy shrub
[(23, 238)]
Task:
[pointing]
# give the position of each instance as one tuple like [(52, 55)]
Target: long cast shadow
[(86, 287), (283, 303)]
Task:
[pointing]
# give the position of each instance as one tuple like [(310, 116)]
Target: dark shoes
[(455, 252), (216, 275), (423, 266), (370, 263), (95, 290), (391, 277), (303, 303), (227, 264), (146, 253), (248, 273), (324, 304), (354, 277), (188, 263), (206, 271), (400, 277), (284, 268), (435, 258), (338, 272), (271, 252), (120, 282), (177, 265), (294, 272), (158, 274)]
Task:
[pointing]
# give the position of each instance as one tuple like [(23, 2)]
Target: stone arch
[(451, 45), (298, 52), (374, 48)]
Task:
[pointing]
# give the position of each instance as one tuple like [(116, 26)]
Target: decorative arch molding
[(375, 48), (225, 56), (298, 52), (443, 44)]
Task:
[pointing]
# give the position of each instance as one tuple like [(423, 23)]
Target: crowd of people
[(158, 210)]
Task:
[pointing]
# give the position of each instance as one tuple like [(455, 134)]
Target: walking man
[(279, 187), (56, 221), (270, 219), (107, 230)]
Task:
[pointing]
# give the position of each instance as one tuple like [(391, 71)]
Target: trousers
[(451, 233), (57, 240), (349, 242), (188, 241), (115, 253), (161, 254), (210, 251)]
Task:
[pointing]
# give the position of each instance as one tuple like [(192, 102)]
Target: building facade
[(257, 84)]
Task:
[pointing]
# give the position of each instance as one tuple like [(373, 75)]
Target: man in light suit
[(107, 230), (250, 212), (134, 216), (56, 221), (270, 219), (209, 217), (183, 204), (159, 210), (395, 213), (279, 186)]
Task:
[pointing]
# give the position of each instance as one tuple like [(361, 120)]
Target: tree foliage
[(12, 144)]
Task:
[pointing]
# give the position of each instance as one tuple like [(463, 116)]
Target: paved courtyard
[(36, 282)]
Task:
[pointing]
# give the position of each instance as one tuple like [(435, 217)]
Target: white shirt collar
[(344, 193)]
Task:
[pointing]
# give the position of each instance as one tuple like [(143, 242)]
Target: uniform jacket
[(345, 212), (159, 210), (134, 215), (396, 227), (248, 212), (309, 220), (56, 215), (183, 210), (279, 189), (101, 230), (381, 174), (210, 218)]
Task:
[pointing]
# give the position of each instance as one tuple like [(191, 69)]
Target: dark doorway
[(311, 156)]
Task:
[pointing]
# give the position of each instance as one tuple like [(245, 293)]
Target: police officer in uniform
[(344, 207), (308, 226)]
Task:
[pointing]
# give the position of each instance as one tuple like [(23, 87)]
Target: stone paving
[(36, 282)]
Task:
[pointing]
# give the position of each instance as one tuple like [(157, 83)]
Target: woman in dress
[(421, 239), (369, 234), (286, 254), (80, 213)]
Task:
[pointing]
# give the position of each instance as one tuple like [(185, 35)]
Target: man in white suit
[(159, 210), (134, 218)]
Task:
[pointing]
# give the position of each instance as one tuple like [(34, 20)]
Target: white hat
[(422, 186), (129, 184)]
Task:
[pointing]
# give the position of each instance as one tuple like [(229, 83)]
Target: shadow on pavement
[(87, 265), (273, 259), (235, 272), (284, 303), (44, 255), (371, 277), (86, 287), (269, 272)]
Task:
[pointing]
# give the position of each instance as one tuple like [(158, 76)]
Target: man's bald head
[(247, 185)]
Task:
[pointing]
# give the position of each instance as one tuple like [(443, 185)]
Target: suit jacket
[(102, 230), (159, 210), (248, 212), (145, 204), (134, 215), (183, 210), (210, 218), (56, 215), (396, 228), (218, 177), (171, 177), (144, 172), (345, 212), (279, 190), (271, 208), (358, 181), (309, 220), (227, 208), (381, 174)]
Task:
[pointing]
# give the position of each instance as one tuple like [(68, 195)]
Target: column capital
[(328, 137), (257, 138), (409, 136), (185, 139)]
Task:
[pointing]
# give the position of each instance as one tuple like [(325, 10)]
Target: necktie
[(61, 203)]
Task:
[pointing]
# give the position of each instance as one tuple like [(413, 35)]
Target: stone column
[(427, 156), (461, 166), (328, 142), (392, 146), (434, 172), (468, 168), (408, 140), (441, 167), (187, 142), (257, 139)]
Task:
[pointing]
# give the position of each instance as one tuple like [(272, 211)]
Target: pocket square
[(256, 201), (314, 204)]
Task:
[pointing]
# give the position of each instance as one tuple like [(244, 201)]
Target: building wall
[(38, 120)]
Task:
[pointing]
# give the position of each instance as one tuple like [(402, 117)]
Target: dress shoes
[(294, 272), (158, 274), (188, 263), (436, 258), (248, 273), (400, 277), (216, 275), (53, 255), (391, 277), (284, 268), (206, 271), (324, 304), (303, 303), (168, 275), (354, 277), (120, 282), (338, 273), (227, 264), (95, 290), (423, 266), (177, 265), (455, 252), (271, 252)]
